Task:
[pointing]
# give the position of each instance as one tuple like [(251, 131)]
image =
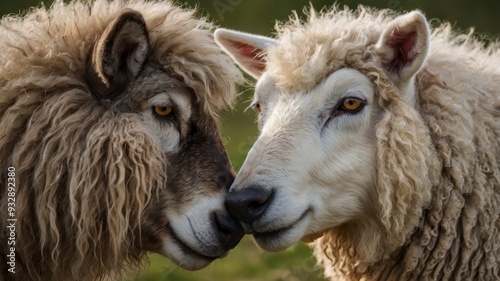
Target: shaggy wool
[(84, 171), (418, 196), (438, 174)]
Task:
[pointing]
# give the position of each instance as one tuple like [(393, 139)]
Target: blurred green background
[(247, 262)]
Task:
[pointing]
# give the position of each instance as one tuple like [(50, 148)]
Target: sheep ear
[(247, 50), (403, 45), (122, 49)]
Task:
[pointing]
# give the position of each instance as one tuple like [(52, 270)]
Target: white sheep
[(380, 140)]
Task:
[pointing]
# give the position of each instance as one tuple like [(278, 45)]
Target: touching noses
[(229, 228), (248, 204)]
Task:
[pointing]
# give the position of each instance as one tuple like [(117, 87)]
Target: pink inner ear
[(251, 54), (402, 43)]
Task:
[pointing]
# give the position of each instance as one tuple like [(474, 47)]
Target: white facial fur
[(320, 167), (194, 230)]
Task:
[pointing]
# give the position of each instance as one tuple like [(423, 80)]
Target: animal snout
[(248, 204), (230, 230)]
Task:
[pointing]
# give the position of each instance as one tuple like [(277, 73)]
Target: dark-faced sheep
[(380, 139), (109, 146)]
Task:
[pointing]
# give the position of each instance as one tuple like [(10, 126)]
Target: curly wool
[(72, 155), (438, 173)]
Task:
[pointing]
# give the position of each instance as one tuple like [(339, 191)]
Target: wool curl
[(84, 173), (438, 162)]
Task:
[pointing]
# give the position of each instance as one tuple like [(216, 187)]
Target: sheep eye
[(163, 111), (351, 105), (258, 107)]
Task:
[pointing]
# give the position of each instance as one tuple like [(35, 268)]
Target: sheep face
[(314, 166), (188, 223), (331, 130), (111, 126), (186, 220)]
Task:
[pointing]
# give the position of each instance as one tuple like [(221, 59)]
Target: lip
[(269, 236), (187, 250), (273, 234)]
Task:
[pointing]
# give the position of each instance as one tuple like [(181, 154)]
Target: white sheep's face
[(314, 160), (313, 167)]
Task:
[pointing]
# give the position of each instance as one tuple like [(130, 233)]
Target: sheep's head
[(119, 150), (340, 154), (185, 220)]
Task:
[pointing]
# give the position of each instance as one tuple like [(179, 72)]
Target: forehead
[(344, 80), (264, 87), (154, 85), (307, 52), (341, 81)]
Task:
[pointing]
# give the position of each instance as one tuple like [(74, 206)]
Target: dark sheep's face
[(188, 223), (185, 218)]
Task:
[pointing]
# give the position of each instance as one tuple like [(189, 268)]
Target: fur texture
[(407, 187), (100, 178)]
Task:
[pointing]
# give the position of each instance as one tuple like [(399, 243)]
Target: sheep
[(109, 146), (379, 143)]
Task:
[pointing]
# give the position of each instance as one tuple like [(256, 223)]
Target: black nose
[(248, 204), (230, 230)]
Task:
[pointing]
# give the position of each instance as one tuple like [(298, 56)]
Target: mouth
[(187, 257), (283, 237)]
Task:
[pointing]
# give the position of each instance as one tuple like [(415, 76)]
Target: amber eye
[(352, 105), (258, 107), (163, 110)]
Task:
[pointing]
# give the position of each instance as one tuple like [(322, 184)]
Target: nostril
[(226, 234), (249, 204), (230, 230), (256, 208)]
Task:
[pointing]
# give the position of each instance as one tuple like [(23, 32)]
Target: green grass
[(245, 263)]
